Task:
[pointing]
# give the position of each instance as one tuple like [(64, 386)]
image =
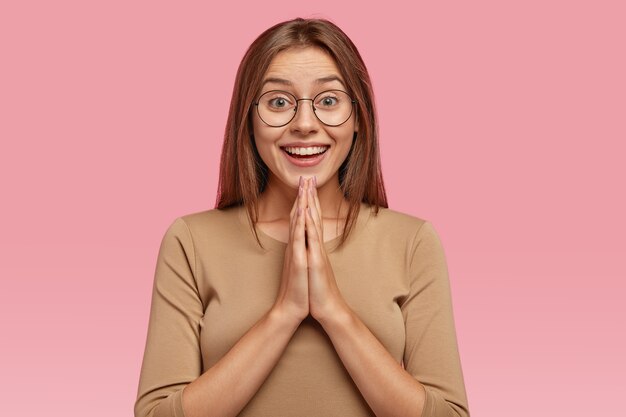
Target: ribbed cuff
[(171, 406), (177, 404), (429, 404)]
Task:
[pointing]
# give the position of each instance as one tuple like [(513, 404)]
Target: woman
[(301, 294)]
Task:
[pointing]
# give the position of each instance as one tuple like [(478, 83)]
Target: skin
[(293, 204), (301, 68)]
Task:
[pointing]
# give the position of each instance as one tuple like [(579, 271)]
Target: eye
[(277, 101), (328, 99)]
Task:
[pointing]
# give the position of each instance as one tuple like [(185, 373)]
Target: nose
[(305, 120)]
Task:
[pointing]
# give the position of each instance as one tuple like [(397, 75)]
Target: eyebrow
[(329, 79), (277, 81), (323, 80)]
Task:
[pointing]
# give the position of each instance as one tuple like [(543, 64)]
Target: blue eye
[(328, 101), (278, 102)]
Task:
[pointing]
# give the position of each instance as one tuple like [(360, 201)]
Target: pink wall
[(503, 125)]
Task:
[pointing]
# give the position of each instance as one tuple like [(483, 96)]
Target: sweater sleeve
[(172, 357), (431, 352)]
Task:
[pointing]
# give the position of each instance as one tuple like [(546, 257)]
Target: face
[(303, 72)]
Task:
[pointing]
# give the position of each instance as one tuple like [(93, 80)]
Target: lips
[(304, 160), (302, 152)]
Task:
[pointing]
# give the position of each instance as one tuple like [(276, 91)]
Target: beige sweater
[(213, 283)]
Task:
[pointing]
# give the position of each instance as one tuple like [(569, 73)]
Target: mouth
[(305, 156)]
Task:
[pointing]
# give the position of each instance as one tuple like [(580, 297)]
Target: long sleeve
[(172, 357), (431, 351)]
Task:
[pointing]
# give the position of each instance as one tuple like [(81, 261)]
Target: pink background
[(503, 124)]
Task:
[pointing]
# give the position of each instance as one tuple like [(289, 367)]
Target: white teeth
[(306, 151)]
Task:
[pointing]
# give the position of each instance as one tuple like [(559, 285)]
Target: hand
[(293, 294), (325, 299)]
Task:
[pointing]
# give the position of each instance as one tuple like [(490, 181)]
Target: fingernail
[(315, 180), (300, 190)]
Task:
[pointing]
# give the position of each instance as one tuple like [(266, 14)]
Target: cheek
[(265, 142), (261, 147), (347, 138), (345, 152)]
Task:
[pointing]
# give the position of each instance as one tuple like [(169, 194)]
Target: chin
[(293, 180)]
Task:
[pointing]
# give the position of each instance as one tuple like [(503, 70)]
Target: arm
[(171, 383), (388, 389), (227, 387), (430, 353)]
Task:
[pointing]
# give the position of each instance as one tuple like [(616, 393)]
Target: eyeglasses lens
[(278, 108)]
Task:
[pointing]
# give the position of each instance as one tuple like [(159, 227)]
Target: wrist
[(284, 316), (340, 314)]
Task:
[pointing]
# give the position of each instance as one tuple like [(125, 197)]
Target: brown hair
[(243, 174)]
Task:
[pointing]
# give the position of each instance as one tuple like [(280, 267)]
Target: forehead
[(303, 66)]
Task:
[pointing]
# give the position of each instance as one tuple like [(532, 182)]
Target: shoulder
[(394, 217), (212, 217), (399, 226), (217, 222), (393, 221)]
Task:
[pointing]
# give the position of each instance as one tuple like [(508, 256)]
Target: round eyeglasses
[(277, 108)]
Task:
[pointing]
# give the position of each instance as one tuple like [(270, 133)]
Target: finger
[(300, 234), (313, 237), (302, 203), (317, 200), (298, 207), (305, 204), (292, 213), (293, 218), (304, 200), (315, 215)]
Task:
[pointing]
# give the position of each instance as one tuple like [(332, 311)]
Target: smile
[(305, 156), (299, 151)]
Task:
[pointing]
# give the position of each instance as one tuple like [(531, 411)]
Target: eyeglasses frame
[(312, 100)]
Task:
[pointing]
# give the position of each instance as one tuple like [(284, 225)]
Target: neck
[(278, 198)]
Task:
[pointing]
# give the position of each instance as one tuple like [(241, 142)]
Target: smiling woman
[(301, 293), (302, 59), (306, 72)]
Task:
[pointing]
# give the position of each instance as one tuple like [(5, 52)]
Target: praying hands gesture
[(308, 284)]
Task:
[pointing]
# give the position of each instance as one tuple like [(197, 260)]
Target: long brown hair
[(243, 174)]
